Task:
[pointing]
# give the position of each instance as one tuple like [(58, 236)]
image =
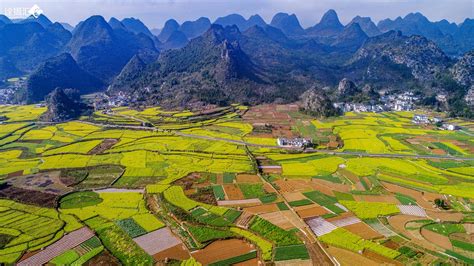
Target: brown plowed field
[(103, 259), (103, 146), (363, 230), (351, 176), (379, 258), (178, 252), (246, 178), (425, 200), (221, 250), (220, 179), (437, 239), (268, 188), (278, 219), (312, 211), (326, 186), (445, 216), (345, 257), (293, 196), (293, 185), (233, 192), (262, 209), (252, 262), (377, 198), (398, 223)]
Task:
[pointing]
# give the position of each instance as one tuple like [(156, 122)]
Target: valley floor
[(214, 188)]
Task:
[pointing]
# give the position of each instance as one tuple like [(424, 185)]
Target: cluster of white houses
[(294, 142), (420, 119)]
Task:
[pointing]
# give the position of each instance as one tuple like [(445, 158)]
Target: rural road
[(330, 152)]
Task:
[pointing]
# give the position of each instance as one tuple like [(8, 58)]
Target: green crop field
[(291, 253), (273, 233), (347, 240), (367, 210), (206, 234)]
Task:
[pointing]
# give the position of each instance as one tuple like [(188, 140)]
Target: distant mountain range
[(234, 59)]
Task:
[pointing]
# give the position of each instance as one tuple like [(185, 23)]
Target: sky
[(154, 13)]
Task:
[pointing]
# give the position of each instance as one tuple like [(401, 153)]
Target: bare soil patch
[(252, 262), (345, 257), (48, 182), (178, 252), (325, 186), (392, 244), (293, 185), (437, 239), (103, 146), (278, 219), (221, 250), (188, 181), (269, 188), (445, 216), (424, 199), (262, 209), (14, 174), (220, 179), (364, 231), (348, 174), (246, 178), (438, 151), (469, 229), (313, 211), (103, 259), (29, 196), (293, 196), (399, 222), (204, 195), (379, 258), (244, 219), (233, 192), (377, 198)]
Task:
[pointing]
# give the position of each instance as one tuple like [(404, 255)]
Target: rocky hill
[(59, 72), (63, 105)]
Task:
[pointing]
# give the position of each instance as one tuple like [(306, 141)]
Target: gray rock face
[(347, 88), (469, 98), (316, 102), (463, 70), (417, 53)]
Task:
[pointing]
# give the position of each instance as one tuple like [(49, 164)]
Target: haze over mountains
[(234, 58)]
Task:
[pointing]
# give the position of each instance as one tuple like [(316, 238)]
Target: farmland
[(375, 186)]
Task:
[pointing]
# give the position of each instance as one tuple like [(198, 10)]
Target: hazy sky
[(155, 12)]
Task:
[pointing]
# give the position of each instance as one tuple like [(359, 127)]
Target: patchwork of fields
[(202, 182)]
